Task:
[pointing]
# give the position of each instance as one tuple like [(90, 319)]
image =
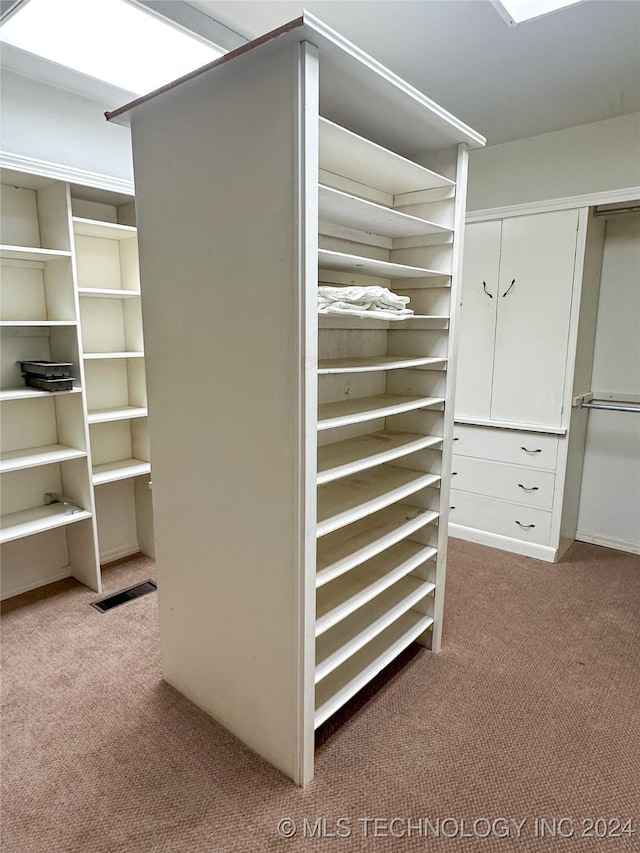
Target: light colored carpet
[(531, 710)]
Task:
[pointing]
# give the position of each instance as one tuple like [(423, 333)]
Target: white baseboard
[(58, 575), (119, 553), (503, 543), (608, 542)]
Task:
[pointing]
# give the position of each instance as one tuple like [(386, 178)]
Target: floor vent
[(128, 594)]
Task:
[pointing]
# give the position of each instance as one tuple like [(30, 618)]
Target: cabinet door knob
[(526, 450), (528, 488), (508, 290), (524, 526), (484, 287)]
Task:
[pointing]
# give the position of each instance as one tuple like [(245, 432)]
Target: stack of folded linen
[(375, 302)]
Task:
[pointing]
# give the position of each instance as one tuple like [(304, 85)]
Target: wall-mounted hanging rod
[(586, 401)]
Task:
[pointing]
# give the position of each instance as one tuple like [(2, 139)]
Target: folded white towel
[(363, 301)]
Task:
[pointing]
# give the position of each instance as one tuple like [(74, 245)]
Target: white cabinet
[(530, 287), (70, 292), (515, 317), (301, 463)]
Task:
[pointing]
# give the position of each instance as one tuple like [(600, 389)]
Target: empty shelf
[(373, 363), (348, 593), (105, 230), (349, 321), (366, 451), (18, 525), (330, 260), (31, 393), (345, 153), (107, 293), (96, 355), (342, 683), (20, 324), (32, 457), (121, 469), (359, 409), (28, 253), (363, 215), (121, 413), (341, 551), (348, 500)]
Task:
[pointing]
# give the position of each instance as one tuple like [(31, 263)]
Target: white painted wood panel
[(477, 319), (496, 516), (527, 486), (532, 449), (534, 307)]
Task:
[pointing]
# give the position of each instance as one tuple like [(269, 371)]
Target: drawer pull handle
[(528, 488), (484, 287), (455, 438), (526, 450), (508, 290), (454, 473), (451, 507), (524, 526)]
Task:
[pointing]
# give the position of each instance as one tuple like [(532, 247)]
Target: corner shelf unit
[(307, 498), (64, 249)]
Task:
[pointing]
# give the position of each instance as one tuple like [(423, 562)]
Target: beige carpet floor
[(531, 711)]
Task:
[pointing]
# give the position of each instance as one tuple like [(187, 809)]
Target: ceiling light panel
[(110, 40), (524, 10)]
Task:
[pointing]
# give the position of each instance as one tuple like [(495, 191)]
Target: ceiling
[(578, 65)]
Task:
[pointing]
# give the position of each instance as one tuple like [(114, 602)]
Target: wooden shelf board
[(105, 230), (330, 260), (345, 153), (342, 683), (371, 364), (366, 451), (32, 393), (354, 212), (359, 409), (107, 293), (347, 548), (31, 253), (353, 498), (121, 469), (121, 413), (338, 600), (32, 457), (19, 525), (347, 321), (24, 324), (97, 355)]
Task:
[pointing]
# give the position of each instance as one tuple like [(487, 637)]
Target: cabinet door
[(534, 305), (477, 319)]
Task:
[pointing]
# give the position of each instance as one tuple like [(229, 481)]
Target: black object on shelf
[(47, 369), (65, 384)]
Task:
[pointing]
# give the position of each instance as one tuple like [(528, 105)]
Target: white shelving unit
[(306, 499), (46, 442)]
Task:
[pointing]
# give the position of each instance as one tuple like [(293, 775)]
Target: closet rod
[(612, 407), (616, 211)]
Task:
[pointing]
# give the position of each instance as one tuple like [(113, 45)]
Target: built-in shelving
[(372, 649), (120, 413), (341, 551), (16, 460), (345, 153), (33, 393), (373, 363), (343, 262), (32, 253), (25, 324), (364, 215), (110, 355), (360, 409), (121, 469), (19, 525), (351, 321), (343, 458), (107, 293), (345, 501), (101, 229)]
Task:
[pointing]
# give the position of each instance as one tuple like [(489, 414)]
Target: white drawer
[(535, 449), (527, 486), (505, 519)]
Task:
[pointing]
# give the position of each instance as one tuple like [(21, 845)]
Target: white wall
[(48, 123), (610, 496), (589, 158)]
